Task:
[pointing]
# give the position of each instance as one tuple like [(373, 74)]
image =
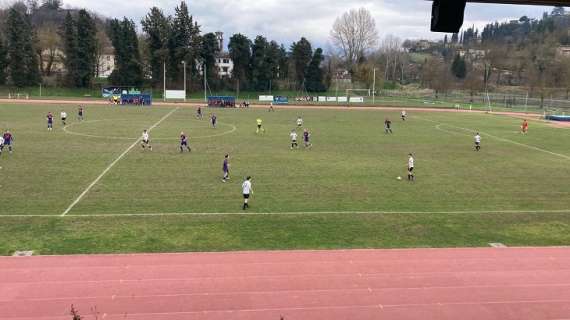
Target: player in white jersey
[(63, 116), (404, 115), (477, 142), (145, 140), (411, 176), (247, 191), (293, 136), (1, 144), (299, 121)]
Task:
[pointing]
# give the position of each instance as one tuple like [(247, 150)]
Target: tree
[(51, 4), (436, 76), (283, 62), (184, 43), (157, 27), (314, 76), (3, 62), (68, 35), (128, 70), (23, 65), (209, 52), (260, 71), (354, 33), (474, 83), (458, 67), (48, 46), (240, 52), (86, 49), (301, 55)]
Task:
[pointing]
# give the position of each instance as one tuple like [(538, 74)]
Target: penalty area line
[(121, 156), (439, 124), (174, 214)]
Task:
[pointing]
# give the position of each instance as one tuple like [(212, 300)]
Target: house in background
[(106, 63), (224, 63)]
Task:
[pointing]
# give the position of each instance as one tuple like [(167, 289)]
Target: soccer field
[(112, 192)]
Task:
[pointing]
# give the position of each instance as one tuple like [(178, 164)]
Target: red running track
[(482, 284)]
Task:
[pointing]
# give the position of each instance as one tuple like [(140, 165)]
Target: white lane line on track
[(166, 214), (439, 124), (74, 203)]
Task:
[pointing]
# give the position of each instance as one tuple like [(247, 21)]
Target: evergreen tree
[(23, 65), (86, 49), (157, 28), (283, 59), (260, 71), (272, 59), (184, 43), (314, 74), (128, 66), (68, 34), (240, 53), (301, 54), (210, 49), (458, 67), (3, 62)]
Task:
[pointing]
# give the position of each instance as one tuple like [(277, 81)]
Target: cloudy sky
[(287, 21)]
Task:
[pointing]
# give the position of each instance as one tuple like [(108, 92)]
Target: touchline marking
[(439, 124), (237, 213), (114, 162)]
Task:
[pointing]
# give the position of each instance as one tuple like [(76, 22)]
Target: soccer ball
[(399, 178)]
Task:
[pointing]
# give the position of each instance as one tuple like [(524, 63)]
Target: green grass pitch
[(341, 193)]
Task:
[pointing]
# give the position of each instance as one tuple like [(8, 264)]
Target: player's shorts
[(477, 143), (299, 124), (7, 142), (63, 119), (294, 141), (411, 169), (146, 141), (183, 143), (259, 126), (246, 196)]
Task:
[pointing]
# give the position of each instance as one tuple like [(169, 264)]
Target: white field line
[(173, 214), (74, 203), (439, 124)]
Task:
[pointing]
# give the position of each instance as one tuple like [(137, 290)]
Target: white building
[(106, 65), (224, 64)]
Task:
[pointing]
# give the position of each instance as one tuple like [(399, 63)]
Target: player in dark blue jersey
[(226, 168), (8, 140), (184, 142), (199, 113), (307, 138), (214, 119), (49, 121), (80, 113)]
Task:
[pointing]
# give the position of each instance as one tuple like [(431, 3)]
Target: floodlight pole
[(164, 81), (184, 63), (374, 87), (205, 84)]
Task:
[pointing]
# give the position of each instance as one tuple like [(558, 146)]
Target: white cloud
[(287, 21)]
